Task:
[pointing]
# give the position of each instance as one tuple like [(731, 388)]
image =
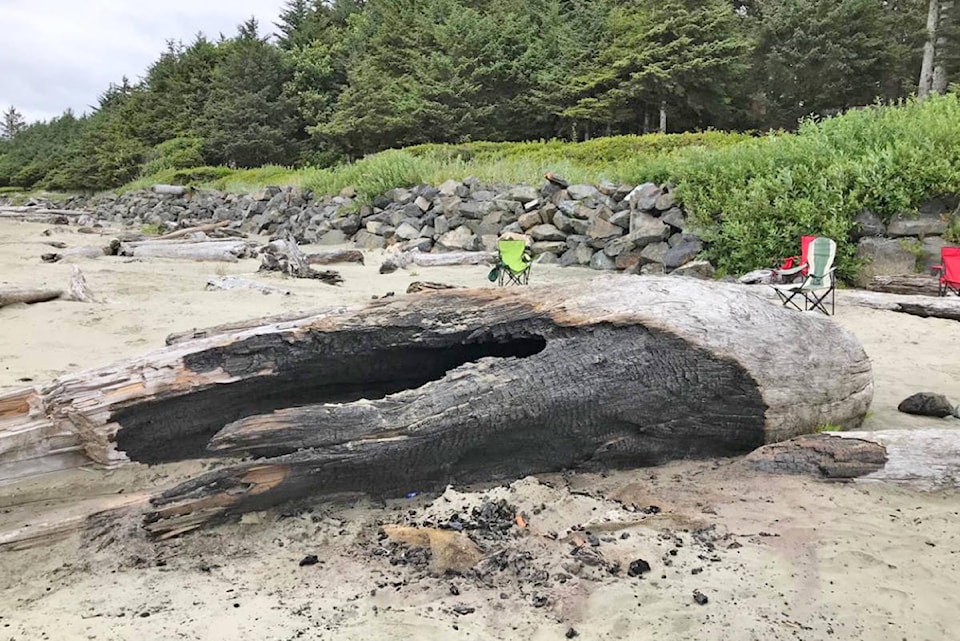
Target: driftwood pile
[(450, 386)]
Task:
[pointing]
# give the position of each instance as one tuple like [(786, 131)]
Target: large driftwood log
[(910, 284), (208, 250), (454, 386), (13, 295)]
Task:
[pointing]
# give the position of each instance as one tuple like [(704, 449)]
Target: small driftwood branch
[(78, 290), (422, 286)]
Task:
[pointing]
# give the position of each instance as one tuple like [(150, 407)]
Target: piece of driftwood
[(229, 250), (926, 456), (424, 286), (229, 328), (78, 290), (924, 306), (335, 256), (13, 212), (186, 231), (284, 255), (422, 259), (13, 295), (73, 252), (452, 386), (226, 283), (910, 284), (170, 190)]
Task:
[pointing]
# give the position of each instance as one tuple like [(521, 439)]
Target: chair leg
[(789, 299), (817, 303)]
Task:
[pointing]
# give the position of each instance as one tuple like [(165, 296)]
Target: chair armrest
[(936, 268), (791, 271)]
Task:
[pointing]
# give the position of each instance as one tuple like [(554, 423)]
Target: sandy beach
[(776, 557)]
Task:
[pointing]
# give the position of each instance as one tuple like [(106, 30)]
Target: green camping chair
[(819, 282), (513, 262)]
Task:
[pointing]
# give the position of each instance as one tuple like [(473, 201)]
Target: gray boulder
[(530, 220), (644, 197), (458, 238), (548, 247), (600, 229), (602, 262), (927, 404), (582, 192), (407, 231), (701, 269), (867, 223), (675, 218), (523, 193), (920, 225), (546, 232), (647, 229), (682, 253), (654, 253), (884, 256)]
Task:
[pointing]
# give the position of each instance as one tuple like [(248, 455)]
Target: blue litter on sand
[(410, 495)]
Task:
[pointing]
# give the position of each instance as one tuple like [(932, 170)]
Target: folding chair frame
[(945, 286), (508, 277)]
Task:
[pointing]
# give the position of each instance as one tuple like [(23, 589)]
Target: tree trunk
[(925, 85), (939, 82), (452, 386), (663, 116)]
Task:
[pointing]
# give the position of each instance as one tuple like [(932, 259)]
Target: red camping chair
[(949, 270), (794, 266)]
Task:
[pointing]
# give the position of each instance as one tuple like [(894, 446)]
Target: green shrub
[(176, 153)]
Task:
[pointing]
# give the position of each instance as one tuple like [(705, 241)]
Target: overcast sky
[(56, 54)]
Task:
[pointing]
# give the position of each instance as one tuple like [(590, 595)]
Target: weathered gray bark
[(663, 117), (456, 386), (925, 84), (12, 295)]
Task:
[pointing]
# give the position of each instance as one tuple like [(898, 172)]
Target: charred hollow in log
[(300, 378)]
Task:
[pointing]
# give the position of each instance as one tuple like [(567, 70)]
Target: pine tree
[(12, 124)]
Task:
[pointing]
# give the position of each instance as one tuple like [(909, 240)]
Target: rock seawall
[(637, 229)]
